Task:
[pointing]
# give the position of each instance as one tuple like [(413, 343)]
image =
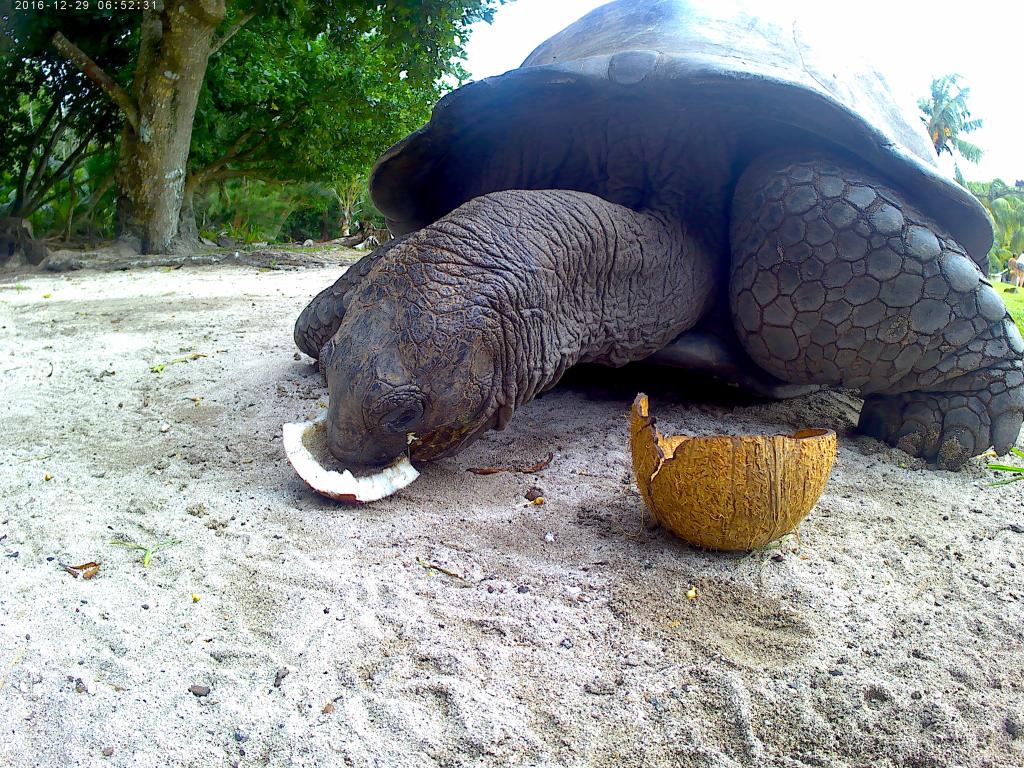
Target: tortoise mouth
[(360, 457), (361, 464), (370, 468)]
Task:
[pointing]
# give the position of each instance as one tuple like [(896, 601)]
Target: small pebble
[(108, 751), (165, 427), (199, 690), (534, 493), (566, 643), (522, 589), (241, 736), (282, 673), (549, 537)]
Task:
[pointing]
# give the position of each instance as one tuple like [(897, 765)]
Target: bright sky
[(910, 42)]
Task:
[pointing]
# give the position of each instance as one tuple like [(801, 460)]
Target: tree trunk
[(16, 238), (72, 199), (174, 47), (188, 231)]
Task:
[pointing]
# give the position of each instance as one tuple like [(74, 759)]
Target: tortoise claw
[(948, 428)]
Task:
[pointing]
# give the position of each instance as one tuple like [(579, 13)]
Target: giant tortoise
[(699, 190)]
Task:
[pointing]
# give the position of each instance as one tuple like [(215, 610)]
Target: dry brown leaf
[(85, 570), (543, 464), (539, 465), (91, 571)]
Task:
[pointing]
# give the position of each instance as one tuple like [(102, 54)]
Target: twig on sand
[(159, 367), (543, 464), (85, 570), (441, 569), (34, 458)]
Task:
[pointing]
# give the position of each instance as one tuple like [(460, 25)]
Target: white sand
[(894, 637)]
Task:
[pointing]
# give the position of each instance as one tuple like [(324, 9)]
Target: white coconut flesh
[(306, 446)]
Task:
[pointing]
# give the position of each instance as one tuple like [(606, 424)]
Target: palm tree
[(1005, 207), (946, 117)]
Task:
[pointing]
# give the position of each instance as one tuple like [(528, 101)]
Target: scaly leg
[(837, 279)]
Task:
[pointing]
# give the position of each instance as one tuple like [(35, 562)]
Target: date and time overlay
[(81, 6)]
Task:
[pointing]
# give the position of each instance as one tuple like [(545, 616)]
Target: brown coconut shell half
[(306, 446), (727, 492)]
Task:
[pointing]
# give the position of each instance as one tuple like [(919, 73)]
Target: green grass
[(1014, 303), (147, 550), (1017, 471)]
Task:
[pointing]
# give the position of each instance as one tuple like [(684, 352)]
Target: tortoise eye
[(397, 412), (401, 420)]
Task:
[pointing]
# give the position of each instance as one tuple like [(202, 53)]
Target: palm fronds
[(946, 116)]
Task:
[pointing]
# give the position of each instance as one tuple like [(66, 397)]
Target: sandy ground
[(452, 625)]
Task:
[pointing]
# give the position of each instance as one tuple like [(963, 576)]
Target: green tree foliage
[(947, 117), (294, 92), (56, 124), (256, 211), (318, 95), (1005, 207)]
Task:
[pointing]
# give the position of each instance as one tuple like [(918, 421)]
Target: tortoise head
[(410, 368)]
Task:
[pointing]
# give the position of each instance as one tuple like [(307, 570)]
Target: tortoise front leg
[(838, 280), (321, 318)]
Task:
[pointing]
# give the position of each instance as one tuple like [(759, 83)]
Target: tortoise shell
[(662, 103)]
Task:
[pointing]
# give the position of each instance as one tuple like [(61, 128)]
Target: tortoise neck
[(566, 277)]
